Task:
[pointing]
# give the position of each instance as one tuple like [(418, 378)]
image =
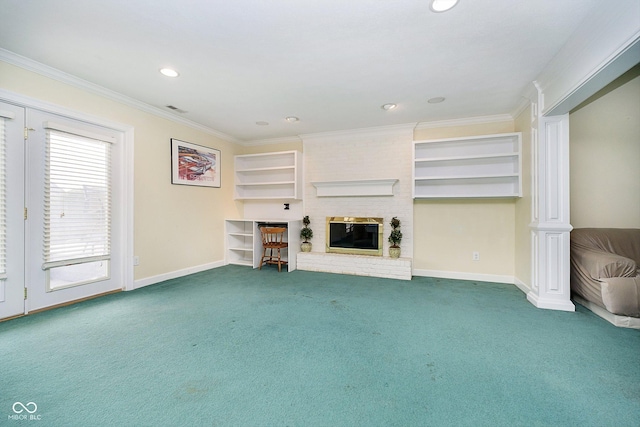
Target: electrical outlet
[(136, 260), (476, 256)]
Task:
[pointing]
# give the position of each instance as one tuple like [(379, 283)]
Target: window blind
[(3, 201), (77, 205)]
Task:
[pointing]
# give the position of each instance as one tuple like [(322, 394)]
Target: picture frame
[(193, 164)]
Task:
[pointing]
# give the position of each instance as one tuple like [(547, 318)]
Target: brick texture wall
[(359, 155), (359, 265)]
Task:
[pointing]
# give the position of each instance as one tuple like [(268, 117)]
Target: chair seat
[(276, 245)]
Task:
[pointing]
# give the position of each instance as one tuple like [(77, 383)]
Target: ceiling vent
[(176, 109)]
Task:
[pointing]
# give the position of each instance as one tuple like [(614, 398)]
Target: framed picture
[(193, 164)]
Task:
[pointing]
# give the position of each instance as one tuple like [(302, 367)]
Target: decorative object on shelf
[(395, 238), (306, 233), (193, 164)]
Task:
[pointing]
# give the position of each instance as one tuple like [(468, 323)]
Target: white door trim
[(126, 172), (12, 286)]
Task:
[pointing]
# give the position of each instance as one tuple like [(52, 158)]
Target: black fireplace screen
[(353, 235)]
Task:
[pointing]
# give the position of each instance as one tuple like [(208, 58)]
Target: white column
[(550, 227)]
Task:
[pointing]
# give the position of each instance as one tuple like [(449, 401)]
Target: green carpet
[(240, 347)]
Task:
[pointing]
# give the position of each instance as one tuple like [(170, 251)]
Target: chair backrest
[(272, 235)]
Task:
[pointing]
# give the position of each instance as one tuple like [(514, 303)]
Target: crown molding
[(598, 51), (283, 140), (610, 69), (393, 130), (521, 107), (38, 104), (528, 95), (465, 121), (66, 78)]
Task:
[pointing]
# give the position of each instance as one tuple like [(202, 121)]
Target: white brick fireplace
[(364, 173)]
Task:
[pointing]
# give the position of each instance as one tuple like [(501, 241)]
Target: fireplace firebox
[(354, 235)]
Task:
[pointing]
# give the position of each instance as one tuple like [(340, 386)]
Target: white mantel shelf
[(363, 187)]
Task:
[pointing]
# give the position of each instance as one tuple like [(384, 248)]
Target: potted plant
[(306, 233), (395, 238)]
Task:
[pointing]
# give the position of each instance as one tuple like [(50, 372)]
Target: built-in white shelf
[(244, 241), (363, 187), (268, 176), (471, 167), (239, 242)]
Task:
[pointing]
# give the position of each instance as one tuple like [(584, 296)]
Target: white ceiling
[(332, 63)]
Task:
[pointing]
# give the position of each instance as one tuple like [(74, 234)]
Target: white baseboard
[(550, 303), (140, 283), (521, 285), (495, 278)]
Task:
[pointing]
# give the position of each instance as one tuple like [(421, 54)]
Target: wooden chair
[(272, 239)]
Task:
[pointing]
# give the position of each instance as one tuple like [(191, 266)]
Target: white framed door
[(12, 190), (74, 233)]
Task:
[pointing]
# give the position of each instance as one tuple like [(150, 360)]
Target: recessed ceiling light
[(261, 123), (436, 100), (292, 119), (388, 107), (169, 72), (442, 5)]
